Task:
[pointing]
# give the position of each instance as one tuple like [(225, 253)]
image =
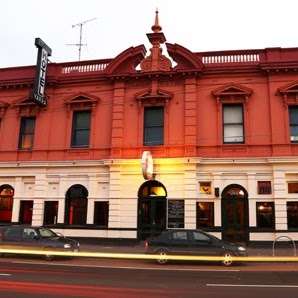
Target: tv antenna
[(80, 44)]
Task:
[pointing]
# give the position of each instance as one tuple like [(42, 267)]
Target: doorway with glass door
[(235, 214), (152, 208)]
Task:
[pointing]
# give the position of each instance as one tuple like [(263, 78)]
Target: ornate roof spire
[(156, 61), (156, 28)]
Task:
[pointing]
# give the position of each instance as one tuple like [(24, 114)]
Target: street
[(28, 277)]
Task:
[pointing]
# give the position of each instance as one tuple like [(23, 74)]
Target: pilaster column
[(39, 195), (92, 193), (252, 193), (115, 194), (190, 195), (61, 205), (118, 119), (279, 191), (217, 182), (190, 116), (16, 200)]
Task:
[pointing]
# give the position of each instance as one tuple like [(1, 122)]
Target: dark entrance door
[(50, 212), (152, 207), (26, 209), (76, 205), (235, 213), (6, 202)]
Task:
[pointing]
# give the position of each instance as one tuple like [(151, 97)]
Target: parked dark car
[(192, 242), (38, 238)]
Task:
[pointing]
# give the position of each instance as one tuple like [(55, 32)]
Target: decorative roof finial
[(156, 28), (156, 61)]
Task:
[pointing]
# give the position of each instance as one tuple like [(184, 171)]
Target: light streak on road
[(138, 256)]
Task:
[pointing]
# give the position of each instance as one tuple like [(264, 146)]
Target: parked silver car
[(38, 238)]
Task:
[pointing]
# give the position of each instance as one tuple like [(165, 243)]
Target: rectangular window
[(293, 187), (233, 124), (101, 213), (176, 214), (50, 212), (26, 137), (153, 126), (265, 215), (80, 129), (264, 187), (293, 115), (179, 235), (205, 215), (292, 214)]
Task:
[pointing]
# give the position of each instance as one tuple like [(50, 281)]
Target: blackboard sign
[(176, 214)]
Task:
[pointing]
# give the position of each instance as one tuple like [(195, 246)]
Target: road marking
[(126, 267), (5, 274), (252, 286)]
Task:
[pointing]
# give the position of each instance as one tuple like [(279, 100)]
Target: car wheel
[(162, 259), (48, 257), (227, 261)]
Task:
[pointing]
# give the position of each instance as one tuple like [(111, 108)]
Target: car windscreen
[(46, 233)]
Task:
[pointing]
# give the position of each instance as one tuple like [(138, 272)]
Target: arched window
[(152, 188), (76, 205), (6, 202), (234, 190)]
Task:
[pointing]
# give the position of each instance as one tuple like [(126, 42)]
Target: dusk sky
[(199, 25)]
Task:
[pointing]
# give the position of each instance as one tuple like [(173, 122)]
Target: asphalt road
[(127, 279)]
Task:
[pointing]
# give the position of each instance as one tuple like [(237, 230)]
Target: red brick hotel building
[(222, 128)]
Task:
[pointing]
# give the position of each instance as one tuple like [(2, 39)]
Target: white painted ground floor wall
[(118, 182)]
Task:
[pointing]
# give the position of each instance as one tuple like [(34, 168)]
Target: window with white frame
[(233, 131), (26, 136), (153, 126), (80, 129), (293, 117)]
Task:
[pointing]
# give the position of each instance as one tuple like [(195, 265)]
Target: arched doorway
[(234, 208), (152, 209), (76, 205), (6, 202)]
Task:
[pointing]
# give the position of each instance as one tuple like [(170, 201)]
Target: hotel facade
[(222, 128)]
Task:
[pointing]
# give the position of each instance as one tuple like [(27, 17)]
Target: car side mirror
[(60, 234)]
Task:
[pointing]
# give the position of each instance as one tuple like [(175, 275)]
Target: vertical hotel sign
[(44, 52)]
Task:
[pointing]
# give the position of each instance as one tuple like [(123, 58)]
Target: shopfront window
[(292, 214), (265, 215), (101, 213), (176, 214), (50, 212), (205, 215)]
